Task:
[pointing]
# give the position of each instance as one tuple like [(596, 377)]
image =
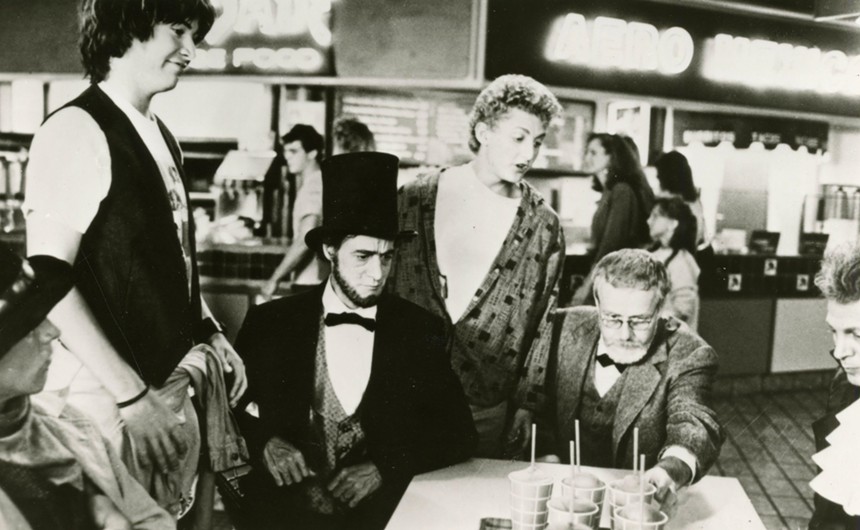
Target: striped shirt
[(501, 344)]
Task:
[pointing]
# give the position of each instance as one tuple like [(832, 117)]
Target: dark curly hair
[(623, 162), (508, 92), (109, 26), (310, 139), (675, 208)]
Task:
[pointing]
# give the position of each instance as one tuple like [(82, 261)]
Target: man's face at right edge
[(844, 323)]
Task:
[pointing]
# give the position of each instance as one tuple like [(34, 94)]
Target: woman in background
[(673, 230), (626, 200), (676, 178)]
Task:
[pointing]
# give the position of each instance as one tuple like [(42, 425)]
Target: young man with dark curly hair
[(487, 259), (105, 193)]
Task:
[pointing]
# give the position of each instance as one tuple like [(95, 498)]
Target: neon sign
[(615, 43), (768, 64), (268, 36)]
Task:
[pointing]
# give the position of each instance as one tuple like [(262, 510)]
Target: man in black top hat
[(56, 470), (351, 387)]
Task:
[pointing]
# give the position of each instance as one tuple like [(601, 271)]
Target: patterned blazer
[(666, 395)]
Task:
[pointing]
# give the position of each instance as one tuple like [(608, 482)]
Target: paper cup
[(524, 504), (530, 483), (627, 518), (594, 494), (618, 496), (529, 518), (584, 512)]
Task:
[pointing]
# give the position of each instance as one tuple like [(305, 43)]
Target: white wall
[(842, 162)]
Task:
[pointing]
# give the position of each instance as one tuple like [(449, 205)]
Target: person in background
[(351, 136), (620, 220), (303, 149), (352, 387), (676, 178), (57, 472), (621, 365), (673, 232), (487, 259), (105, 192), (839, 282)]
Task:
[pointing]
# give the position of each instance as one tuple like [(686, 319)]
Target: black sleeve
[(443, 432), (248, 349)]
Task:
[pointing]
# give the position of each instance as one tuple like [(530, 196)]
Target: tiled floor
[(768, 448)]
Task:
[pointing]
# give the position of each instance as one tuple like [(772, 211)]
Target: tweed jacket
[(666, 395), (414, 414)]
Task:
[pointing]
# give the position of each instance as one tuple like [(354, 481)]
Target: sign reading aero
[(607, 43)]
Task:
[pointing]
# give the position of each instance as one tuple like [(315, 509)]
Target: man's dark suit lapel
[(301, 346), (386, 322), (641, 382)]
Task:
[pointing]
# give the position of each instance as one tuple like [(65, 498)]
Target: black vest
[(130, 267)]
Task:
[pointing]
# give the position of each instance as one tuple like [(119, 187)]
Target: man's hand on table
[(156, 433), (353, 484), (285, 462), (668, 476), (520, 434), (232, 363)]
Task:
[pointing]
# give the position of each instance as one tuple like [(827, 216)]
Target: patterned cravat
[(335, 319)]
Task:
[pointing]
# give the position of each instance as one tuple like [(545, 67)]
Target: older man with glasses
[(621, 366)]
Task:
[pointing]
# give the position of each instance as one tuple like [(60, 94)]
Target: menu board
[(432, 128)]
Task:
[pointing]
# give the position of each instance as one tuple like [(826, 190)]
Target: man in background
[(303, 150)]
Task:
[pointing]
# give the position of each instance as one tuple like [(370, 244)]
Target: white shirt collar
[(333, 304), (125, 106)]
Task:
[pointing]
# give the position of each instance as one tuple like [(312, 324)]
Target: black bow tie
[(335, 319), (606, 360)]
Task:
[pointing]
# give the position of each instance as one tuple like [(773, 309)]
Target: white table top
[(458, 497)]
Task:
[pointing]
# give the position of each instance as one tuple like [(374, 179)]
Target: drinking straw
[(572, 480), (635, 447), (572, 460), (642, 490), (534, 435), (578, 447)]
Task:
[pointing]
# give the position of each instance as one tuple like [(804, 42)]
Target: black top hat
[(359, 197), (28, 291)]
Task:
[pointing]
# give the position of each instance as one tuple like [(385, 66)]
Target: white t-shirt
[(308, 203), (471, 224), (69, 173)]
